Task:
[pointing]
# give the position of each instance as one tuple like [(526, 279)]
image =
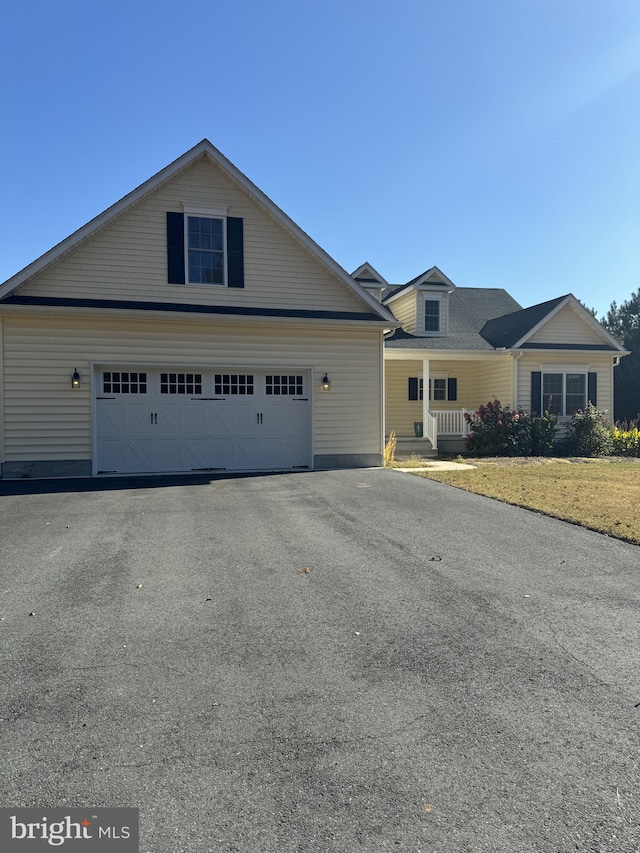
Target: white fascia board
[(404, 354), (367, 266), (582, 312), (435, 271), (402, 292)]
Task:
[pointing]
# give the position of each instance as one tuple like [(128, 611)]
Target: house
[(458, 347), (192, 326)]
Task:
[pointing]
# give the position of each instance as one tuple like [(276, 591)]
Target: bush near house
[(496, 430), (588, 433)]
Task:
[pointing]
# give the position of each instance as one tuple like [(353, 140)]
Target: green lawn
[(603, 495)]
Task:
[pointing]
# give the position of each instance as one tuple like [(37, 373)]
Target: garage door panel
[(221, 453), (220, 420), (139, 454), (258, 423), (286, 452), (181, 454), (245, 454)]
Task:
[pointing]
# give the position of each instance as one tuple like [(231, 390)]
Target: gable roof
[(369, 275), (432, 276), (513, 331), (203, 149), (506, 330)]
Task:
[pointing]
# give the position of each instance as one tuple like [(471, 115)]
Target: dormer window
[(432, 316)]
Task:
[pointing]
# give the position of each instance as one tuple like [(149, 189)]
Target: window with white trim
[(205, 242), (438, 387), (564, 393), (432, 323)]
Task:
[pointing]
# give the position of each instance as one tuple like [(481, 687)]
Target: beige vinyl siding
[(567, 327), (591, 362), (46, 420), (404, 310), (128, 259), (492, 380), (402, 412)]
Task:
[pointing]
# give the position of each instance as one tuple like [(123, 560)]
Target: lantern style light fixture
[(325, 383), (75, 379)]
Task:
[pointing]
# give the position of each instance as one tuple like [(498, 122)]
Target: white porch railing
[(451, 422), (430, 430)]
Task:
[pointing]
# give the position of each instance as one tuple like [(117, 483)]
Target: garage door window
[(277, 385), (124, 382), (233, 383), (181, 383)]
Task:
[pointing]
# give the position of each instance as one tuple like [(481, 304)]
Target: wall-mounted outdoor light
[(325, 384), (75, 379)]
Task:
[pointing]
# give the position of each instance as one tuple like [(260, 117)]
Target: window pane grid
[(281, 385), (181, 383), (233, 383), (206, 250), (563, 393), (439, 389), (431, 315), (124, 382)]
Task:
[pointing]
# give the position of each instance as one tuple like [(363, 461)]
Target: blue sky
[(496, 139)]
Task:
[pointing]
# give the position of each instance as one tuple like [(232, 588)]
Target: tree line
[(623, 322)]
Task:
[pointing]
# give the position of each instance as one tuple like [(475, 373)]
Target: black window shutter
[(235, 252), (452, 388), (592, 389), (175, 248), (536, 392), (413, 388)]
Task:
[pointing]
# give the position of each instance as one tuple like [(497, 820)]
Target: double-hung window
[(432, 316), (437, 388), (564, 393), (205, 250), (205, 246), (440, 388)]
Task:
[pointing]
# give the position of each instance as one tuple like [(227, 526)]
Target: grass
[(603, 495), (413, 461)]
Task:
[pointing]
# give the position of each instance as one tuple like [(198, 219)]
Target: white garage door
[(157, 420)]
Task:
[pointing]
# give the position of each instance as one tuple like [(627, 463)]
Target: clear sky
[(496, 139)]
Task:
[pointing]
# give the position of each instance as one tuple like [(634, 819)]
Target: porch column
[(425, 395)]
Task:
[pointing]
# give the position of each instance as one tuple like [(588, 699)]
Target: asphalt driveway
[(342, 661)]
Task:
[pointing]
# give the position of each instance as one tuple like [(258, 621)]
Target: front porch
[(444, 433), (436, 391)]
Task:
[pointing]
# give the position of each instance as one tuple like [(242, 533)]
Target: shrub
[(495, 430), (540, 435), (625, 439), (587, 434)]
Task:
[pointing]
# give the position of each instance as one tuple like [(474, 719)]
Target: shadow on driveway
[(59, 485)]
